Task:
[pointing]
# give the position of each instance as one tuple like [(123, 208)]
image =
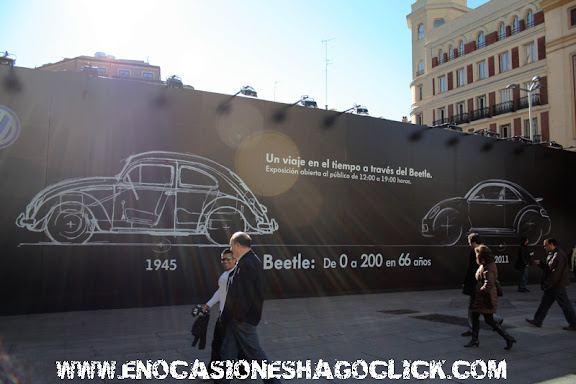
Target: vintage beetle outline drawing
[(156, 193)]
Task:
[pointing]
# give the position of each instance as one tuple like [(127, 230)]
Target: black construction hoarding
[(120, 194)]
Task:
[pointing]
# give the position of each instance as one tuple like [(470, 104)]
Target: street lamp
[(245, 90), (358, 109), (7, 59), (532, 87)]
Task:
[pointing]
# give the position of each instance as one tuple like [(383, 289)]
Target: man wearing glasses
[(219, 297)]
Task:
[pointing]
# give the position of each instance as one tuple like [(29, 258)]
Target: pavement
[(416, 334)]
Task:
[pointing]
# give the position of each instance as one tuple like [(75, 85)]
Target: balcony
[(523, 101), (461, 118), (441, 121), (505, 107), (481, 113)]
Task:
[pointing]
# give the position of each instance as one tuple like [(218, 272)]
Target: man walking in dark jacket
[(555, 279), (523, 263), (244, 302)]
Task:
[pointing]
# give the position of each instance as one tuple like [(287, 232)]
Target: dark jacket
[(556, 270), (523, 259), (199, 329), (485, 298), (245, 299), (470, 277)]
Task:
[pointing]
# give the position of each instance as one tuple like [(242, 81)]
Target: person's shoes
[(569, 328), (533, 322), (523, 290), (474, 343), (509, 342), (467, 334)]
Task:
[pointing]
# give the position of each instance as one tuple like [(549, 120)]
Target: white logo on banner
[(9, 127)]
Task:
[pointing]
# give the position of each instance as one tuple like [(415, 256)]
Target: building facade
[(108, 66), (465, 62)]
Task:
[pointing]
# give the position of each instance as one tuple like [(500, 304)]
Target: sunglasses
[(226, 259)]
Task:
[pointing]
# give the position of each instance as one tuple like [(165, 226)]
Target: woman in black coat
[(485, 297)]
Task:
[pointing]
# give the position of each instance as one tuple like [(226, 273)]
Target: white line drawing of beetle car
[(156, 193), (491, 207)]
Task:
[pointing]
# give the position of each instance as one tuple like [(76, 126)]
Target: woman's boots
[(509, 339)]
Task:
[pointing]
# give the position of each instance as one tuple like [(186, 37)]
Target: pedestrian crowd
[(240, 297)]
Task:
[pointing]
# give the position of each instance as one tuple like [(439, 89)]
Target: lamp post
[(358, 109), (532, 87), (246, 90)]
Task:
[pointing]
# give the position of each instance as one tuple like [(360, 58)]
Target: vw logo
[(9, 127)]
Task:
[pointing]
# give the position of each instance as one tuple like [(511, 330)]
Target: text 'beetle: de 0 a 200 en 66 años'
[(157, 193)]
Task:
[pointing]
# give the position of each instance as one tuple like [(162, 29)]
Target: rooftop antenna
[(327, 62)]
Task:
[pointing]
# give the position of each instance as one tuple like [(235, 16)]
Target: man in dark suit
[(555, 279), (244, 302)]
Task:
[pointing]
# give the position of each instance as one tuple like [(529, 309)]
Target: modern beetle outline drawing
[(156, 193), (492, 207)]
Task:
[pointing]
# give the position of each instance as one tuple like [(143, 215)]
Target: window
[(441, 57), (420, 68), (504, 62), (151, 174), (442, 84), (529, 53), (420, 93), (420, 119), (101, 70), (438, 22), (481, 102), (573, 17), (451, 53), (460, 108), (147, 75), (461, 116), (505, 95), (527, 127), (460, 77), (481, 41), (505, 131), (191, 177), (481, 70), (124, 72), (461, 48), (441, 115), (515, 25), (530, 19), (420, 31), (502, 32)]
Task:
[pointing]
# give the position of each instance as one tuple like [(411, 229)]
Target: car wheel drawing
[(165, 194), (68, 224), (447, 226), (492, 208), (223, 223), (530, 226)]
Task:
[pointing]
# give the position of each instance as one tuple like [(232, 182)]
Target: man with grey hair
[(244, 301)]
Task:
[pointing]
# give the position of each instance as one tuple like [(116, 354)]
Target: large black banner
[(118, 193)]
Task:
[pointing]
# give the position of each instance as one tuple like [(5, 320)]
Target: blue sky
[(220, 45)]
